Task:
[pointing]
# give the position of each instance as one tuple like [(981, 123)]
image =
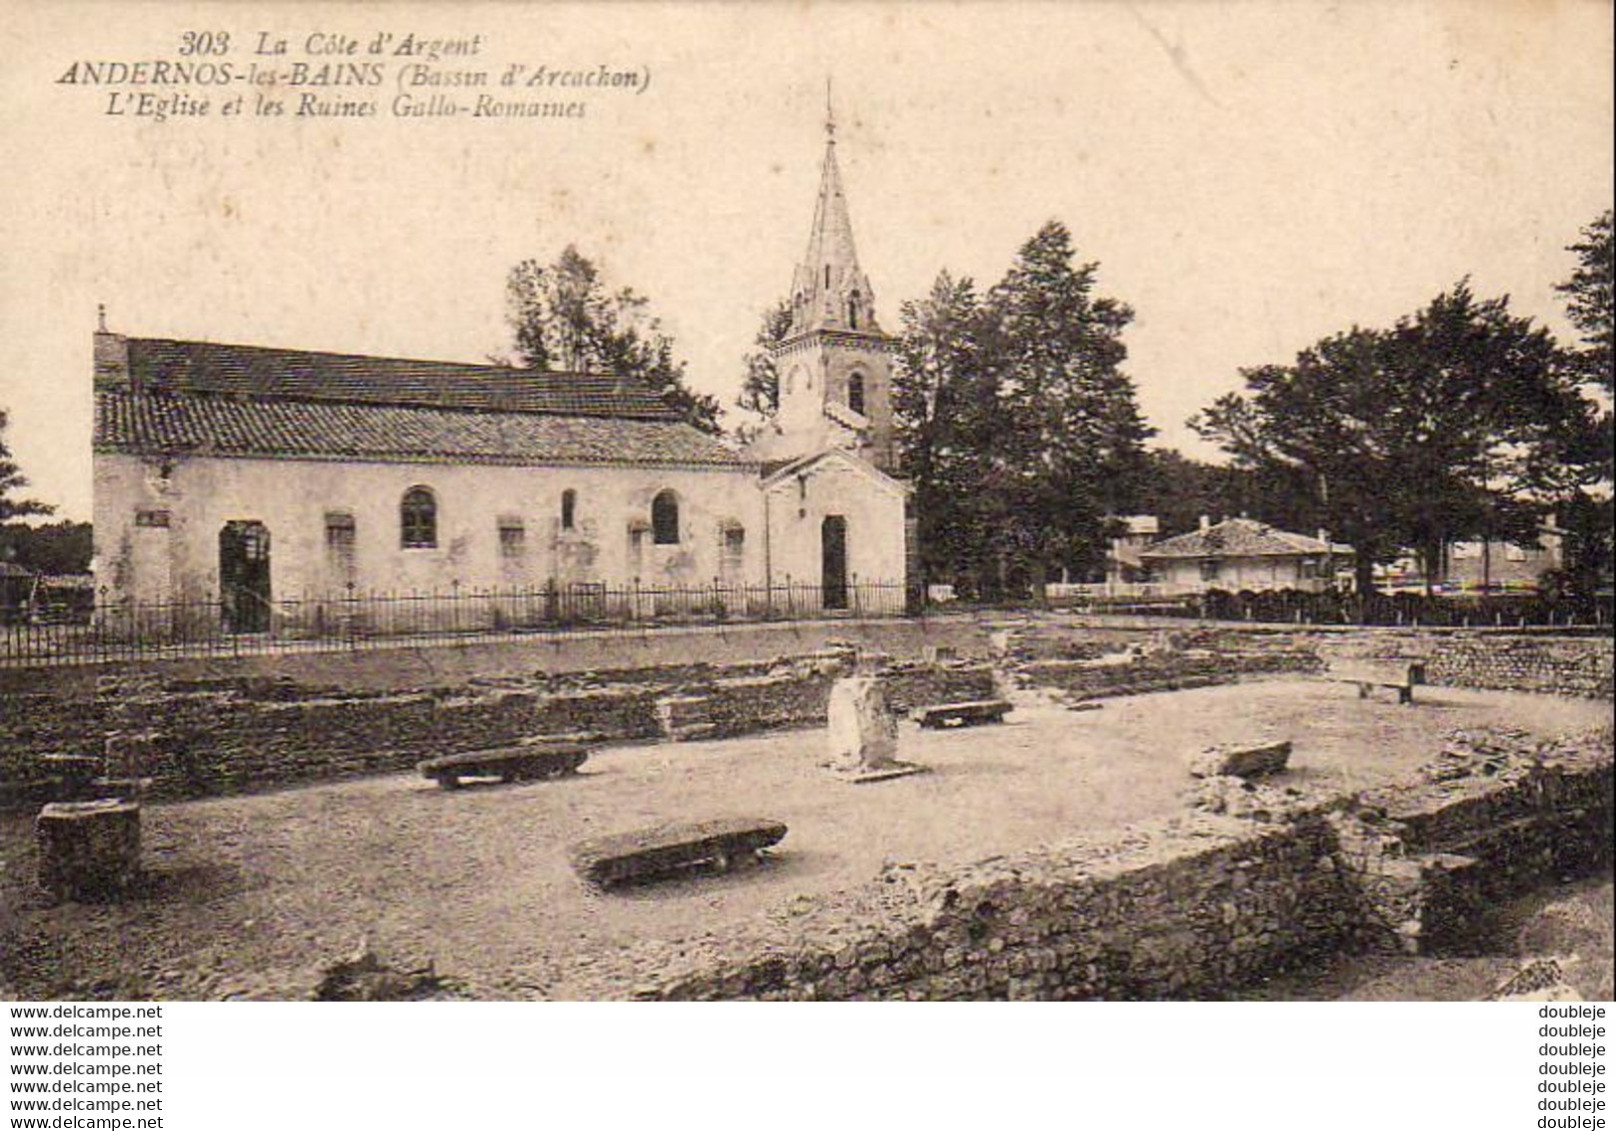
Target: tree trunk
[(1363, 572)]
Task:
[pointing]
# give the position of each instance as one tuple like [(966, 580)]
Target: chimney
[(111, 355), (1206, 522), (1324, 536)]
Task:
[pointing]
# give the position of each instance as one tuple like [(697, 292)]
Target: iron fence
[(122, 630), (1411, 610)]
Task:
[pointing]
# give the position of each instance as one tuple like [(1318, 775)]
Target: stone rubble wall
[(1167, 672), (1063, 653), (1190, 907), (222, 736), (1558, 664)]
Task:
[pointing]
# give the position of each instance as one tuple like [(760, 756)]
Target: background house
[(1242, 554)]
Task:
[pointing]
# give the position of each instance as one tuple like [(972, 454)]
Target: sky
[(1249, 177)]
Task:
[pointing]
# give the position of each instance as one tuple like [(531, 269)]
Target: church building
[(273, 484)]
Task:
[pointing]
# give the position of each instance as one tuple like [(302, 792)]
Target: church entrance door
[(244, 576), (833, 552)]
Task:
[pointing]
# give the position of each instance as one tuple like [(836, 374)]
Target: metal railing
[(1289, 606), (125, 630)]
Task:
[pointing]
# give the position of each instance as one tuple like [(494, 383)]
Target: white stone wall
[(872, 505), (1183, 575), (292, 498)]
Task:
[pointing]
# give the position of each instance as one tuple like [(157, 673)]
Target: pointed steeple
[(829, 292)]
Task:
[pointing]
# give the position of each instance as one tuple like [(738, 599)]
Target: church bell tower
[(834, 362)]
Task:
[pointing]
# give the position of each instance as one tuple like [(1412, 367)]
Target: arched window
[(665, 519), (569, 508), (418, 519), (852, 311), (855, 393)]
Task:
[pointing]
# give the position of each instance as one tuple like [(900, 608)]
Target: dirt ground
[(253, 896)]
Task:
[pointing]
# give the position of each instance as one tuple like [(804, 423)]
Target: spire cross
[(830, 115)]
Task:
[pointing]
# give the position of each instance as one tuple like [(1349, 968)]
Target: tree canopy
[(1443, 426), (13, 481), (944, 403), (564, 319), (52, 548), (1015, 421), (1179, 491), (760, 389), (1587, 510), (1589, 301)]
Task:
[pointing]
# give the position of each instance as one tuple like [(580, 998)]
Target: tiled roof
[(260, 372), (181, 424), (1236, 538)]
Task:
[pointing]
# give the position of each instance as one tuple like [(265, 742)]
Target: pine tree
[(1589, 301), (12, 480), (945, 413), (1586, 507), (1072, 437)]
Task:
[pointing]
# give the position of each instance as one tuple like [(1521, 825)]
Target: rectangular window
[(339, 543), (512, 538), (733, 549), (151, 518), (1209, 569)]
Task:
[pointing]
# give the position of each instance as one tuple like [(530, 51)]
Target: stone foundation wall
[(1161, 672), (216, 736), (1564, 662), (1192, 907), (1558, 664)]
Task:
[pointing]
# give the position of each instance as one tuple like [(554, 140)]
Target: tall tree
[(1432, 430), (1073, 437), (1586, 508), (945, 416), (13, 481), (564, 319), (760, 391), (1589, 301)]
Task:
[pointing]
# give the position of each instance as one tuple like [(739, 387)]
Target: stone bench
[(1366, 680), (507, 763), (973, 713), (665, 850)]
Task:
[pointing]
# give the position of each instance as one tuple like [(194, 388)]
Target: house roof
[(1239, 538), (262, 373), (168, 424)]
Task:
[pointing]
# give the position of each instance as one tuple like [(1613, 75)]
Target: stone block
[(664, 850), (862, 733), (1241, 760), (88, 849), (685, 717)]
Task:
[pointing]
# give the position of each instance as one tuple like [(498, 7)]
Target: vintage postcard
[(805, 501)]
